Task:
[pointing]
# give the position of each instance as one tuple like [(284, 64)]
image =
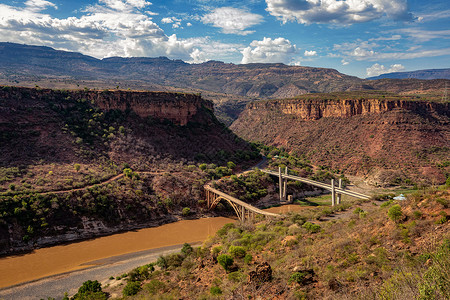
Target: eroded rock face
[(176, 107), (309, 110)]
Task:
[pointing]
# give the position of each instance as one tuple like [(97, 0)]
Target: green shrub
[(248, 258), (313, 228), (224, 230), (187, 249), (237, 251), (444, 202), (297, 277), (225, 261), (357, 211), (215, 291), (395, 213), (186, 211), (90, 290), (236, 276), (154, 286), (140, 273), (132, 288)]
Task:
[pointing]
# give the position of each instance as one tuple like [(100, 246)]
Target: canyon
[(382, 136)]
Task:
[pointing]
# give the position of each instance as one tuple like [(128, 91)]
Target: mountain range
[(419, 74), (229, 86)]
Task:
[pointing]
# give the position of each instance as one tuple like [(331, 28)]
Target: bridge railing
[(331, 187), (236, 202)]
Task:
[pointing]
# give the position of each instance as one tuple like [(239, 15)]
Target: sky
[(357, 37)]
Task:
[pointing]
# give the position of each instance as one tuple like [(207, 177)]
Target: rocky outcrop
[(176, 107), (314, 109)]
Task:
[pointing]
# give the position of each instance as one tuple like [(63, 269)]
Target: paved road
[(101, 270)]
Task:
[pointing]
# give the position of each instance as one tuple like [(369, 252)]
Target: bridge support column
[(339, 195), (281, 184), (285, 185), (333, 194)]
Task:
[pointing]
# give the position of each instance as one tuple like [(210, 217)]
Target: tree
[(225, 261), (395, 213), (231, 165), (77, 167), (90, 290)]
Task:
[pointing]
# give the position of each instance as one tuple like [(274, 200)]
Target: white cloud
[(337, 11), (310, 53), (108, 28), (166, 20), (176, 23), (232, 20), (377, 69), (39, 5), (344, 62), (279, 50), (425, 35)]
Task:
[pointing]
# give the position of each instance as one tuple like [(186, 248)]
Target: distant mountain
[(419, 74), (229, 86)]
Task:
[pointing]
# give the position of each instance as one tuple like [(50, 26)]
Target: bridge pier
[(283, 184), (333, 194), (339, 195)]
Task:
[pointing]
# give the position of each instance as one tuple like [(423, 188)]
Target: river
[(59, 259)]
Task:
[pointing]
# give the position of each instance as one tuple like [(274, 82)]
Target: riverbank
[(60, 259), (56, 285)]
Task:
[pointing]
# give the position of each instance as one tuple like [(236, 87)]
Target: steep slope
[(76, 164), (390, 139), (419, 74)]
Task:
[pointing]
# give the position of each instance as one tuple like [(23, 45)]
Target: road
[(101, 270)]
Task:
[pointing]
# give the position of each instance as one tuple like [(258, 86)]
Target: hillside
[(374, 250), (62, 152), (387, 138), (229, 86), (419, 74)]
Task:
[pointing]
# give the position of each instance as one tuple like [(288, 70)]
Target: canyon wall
[(398, 139), (314, 109), (176, 107)]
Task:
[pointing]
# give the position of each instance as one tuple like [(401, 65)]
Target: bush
[(215, 290), (154, 286), (225, 261), (90, 290), (313, 228), (186, 211), (187, 249), (132, 288), (297, 277), (248, 258), (395, 213), (237, 251), (235, 276)]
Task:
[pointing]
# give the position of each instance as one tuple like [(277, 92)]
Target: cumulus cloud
[(108, 28), (377, 69), (39, 5), (310, 53), (232, 20), (337, 11), (279, 50)]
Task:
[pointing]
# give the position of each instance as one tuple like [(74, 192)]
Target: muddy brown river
[(54, 260)]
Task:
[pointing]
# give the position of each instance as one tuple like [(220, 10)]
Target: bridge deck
[(319, 184), (241, 203)]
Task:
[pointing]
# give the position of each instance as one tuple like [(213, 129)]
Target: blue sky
[(356, 37)]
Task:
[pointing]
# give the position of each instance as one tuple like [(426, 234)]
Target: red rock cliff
[(176, 107)]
